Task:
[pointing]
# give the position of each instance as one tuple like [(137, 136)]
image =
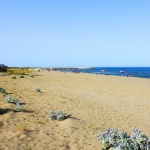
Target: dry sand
[(96, 101)]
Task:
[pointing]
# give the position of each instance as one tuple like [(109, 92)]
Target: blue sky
[(65, 33)]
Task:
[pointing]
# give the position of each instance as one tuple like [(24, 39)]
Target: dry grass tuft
[(21, 127), (18, 71)]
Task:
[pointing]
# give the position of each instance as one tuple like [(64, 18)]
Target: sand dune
[(96, 102)]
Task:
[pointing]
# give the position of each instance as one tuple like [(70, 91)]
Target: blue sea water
[(142, 72)]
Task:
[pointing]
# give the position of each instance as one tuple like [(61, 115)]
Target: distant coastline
[(141, 72)]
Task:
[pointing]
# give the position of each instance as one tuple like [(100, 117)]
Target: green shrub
[(117, 140), (9, 99), (17, 108), (13, 77), (31, 75), (21, 76), (2, 90), (38, 90), (59, 115)]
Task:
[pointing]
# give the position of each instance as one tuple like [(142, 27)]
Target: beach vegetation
[(2, 90), (38, 90), (59, 115), (118, 140), (17, 108), (13, 77), (21, 76), (31, 75), (18, 71), (9, 99), (21, 127), (3, 74)]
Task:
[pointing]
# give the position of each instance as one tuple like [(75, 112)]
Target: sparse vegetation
[(31, 75), (21, 127), (21, 76), (9, 99), (117, 140), (38, 90), (18, 71), (2, 90), (3, 74), (3, 68), (17, 108), (59, 115), (13, 77)]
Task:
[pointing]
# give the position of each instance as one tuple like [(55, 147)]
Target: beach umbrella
[(103, 71), (73, 70), (122, 71)]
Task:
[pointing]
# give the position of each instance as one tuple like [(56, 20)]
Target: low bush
[(59, 115), (17, 108), (21, 76), (2, 90), (3, 74), (13, 77), (9, 99), (117, 140), (38, 90), (18, 71), (31, 75)]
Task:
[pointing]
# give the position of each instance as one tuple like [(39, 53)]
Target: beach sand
[(96, 102)]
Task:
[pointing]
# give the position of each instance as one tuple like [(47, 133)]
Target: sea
[(140, 72)]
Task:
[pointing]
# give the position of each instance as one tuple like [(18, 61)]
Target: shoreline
[(115, 71), (101, 74)]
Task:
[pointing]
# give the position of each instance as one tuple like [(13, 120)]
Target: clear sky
[(65, 33)]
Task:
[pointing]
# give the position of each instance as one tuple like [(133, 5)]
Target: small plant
[(21, 127), (13, 77), (17, 108), (115, 140), (3, 74), (59, 115), (10, 99), (38, 90), (2, 90), (31, 75), (21, 76)]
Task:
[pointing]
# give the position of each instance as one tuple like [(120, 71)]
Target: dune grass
[(18, 71)]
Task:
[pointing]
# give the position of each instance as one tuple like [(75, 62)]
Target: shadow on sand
[(4, 111)]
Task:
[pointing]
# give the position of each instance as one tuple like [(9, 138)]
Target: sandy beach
[(96, 102)]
